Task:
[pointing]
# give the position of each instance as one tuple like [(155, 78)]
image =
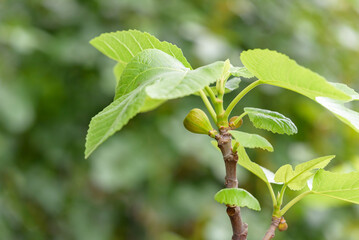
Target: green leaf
[(297, 179), (342, 186), (171, 80), (241, 72), (343, 113), (248, 140), (261, 172), (271, 121), (151, 104), (112, 119), (277, 69), (122, 46), (117, 70), (237, 197), (150, 75)]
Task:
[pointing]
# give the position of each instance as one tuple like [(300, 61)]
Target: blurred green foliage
[(154, 180)]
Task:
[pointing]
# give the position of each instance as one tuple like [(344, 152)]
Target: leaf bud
[(232, 123), (283, 226), (197, 121)]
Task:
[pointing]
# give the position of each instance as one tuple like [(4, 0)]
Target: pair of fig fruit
[(197, 121)]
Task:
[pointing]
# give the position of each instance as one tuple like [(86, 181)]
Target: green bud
[(234, 125), (197, 121)]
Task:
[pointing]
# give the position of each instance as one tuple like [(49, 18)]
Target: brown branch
[(240, 229), (271, 231)]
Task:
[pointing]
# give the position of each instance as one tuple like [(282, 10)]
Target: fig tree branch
[(240, 229)]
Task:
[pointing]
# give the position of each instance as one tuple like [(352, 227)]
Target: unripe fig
[(232, 122), (282, 225), (197, 121)]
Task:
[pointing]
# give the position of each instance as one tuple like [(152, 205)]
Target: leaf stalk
[(208, 106), (294, 201), (240, 96)]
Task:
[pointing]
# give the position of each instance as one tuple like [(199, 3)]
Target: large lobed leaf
[(342, 186), (237, 197), (277, 69), (249, 140), (297, 179), (152, 74), (271, 121)]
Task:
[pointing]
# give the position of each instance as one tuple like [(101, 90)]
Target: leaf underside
[(237, 197), (249, 140), (297, 179), (346, 115), (342, 186), (271, 121)]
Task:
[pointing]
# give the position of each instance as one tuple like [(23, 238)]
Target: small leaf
[(248, 140), (277, 69), (237, 197), (226, 73), (244, 161), (342, 186), (241, 72), (297, 179), (344, 114), (271, 121)]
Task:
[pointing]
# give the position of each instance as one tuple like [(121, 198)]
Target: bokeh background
[(154, 180)]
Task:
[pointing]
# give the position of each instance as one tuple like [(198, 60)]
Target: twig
[(240, 229), (271, 231)]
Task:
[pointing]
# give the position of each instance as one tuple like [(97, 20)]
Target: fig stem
[(208, 106)]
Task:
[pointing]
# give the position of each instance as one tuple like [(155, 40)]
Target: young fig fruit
[(232, 123), (197, 121), (282, 225)]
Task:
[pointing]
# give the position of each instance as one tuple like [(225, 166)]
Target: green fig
[(197, 121)]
